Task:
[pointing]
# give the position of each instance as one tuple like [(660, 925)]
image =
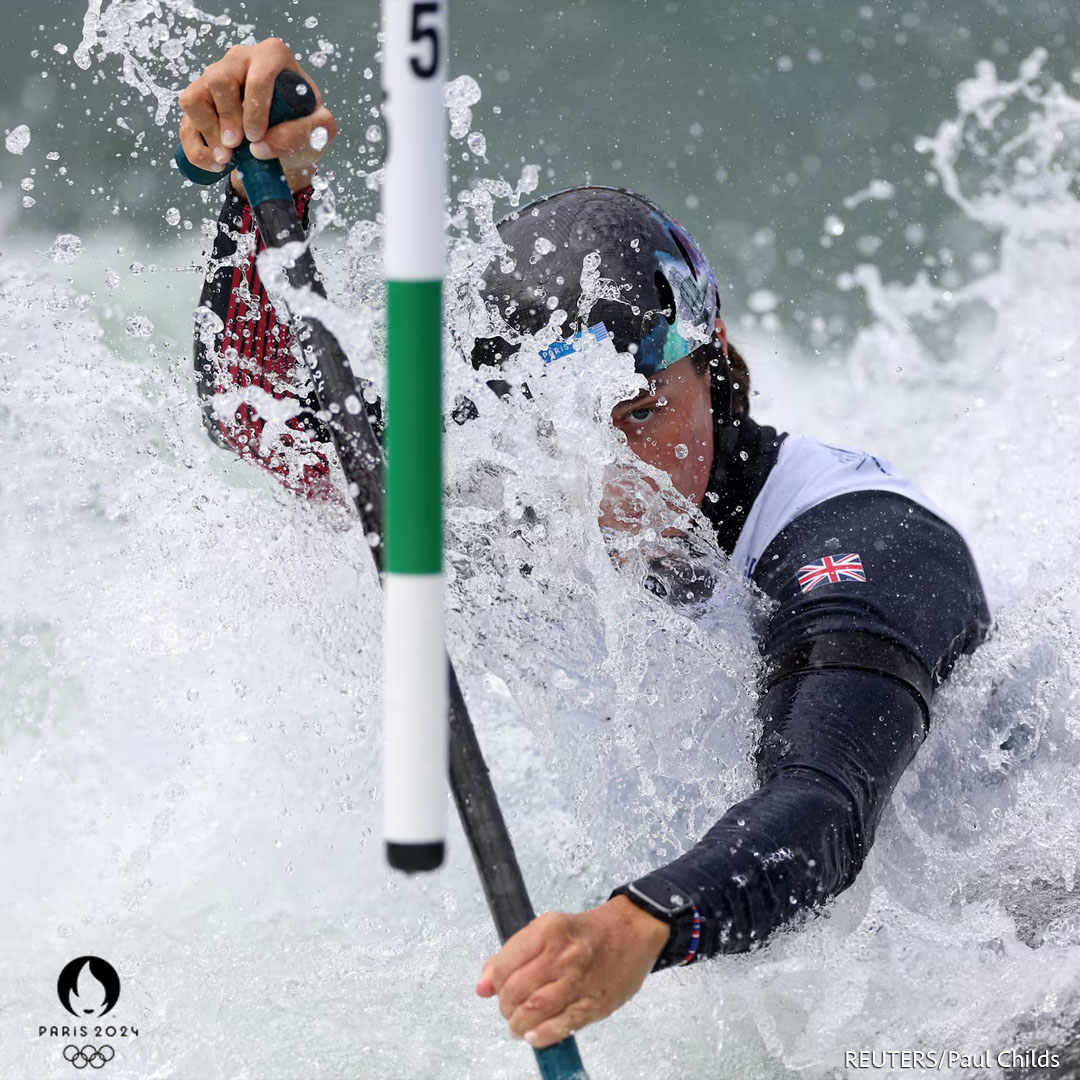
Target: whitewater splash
[(189, 755)]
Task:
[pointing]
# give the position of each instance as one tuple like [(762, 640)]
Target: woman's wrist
[(651, 933)]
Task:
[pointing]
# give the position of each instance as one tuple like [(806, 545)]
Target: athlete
[(876, 592)]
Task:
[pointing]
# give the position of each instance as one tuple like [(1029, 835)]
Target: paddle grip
[(263, 180)]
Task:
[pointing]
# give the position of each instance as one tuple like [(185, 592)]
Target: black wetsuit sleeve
[(851, 661), (246, 351), (247, 365)]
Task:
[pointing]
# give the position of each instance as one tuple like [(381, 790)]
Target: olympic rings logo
[(88, 1055)]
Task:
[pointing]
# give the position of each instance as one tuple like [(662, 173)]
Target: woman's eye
[(639, 416)]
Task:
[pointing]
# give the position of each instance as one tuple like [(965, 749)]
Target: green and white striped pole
[(415, 717)]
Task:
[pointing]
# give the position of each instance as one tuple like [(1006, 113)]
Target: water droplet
[(761, 301), (139, 326), (460, 95), (464, 90), (65, 929), (311, 22), (319, 138), (172, 216), (18, 139), (681, 451), (65, 249)]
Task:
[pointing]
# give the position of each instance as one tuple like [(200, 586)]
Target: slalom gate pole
[(415, 735), (362, 464)]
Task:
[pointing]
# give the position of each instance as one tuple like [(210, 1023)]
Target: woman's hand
[(627, 498), (231, 100), (562, 972)]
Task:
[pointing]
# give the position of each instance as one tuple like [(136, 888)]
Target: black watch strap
[(665, 902)]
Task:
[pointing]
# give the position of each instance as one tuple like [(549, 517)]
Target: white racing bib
[(809, 472)]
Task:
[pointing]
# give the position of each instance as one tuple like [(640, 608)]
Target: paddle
[(362, 463)]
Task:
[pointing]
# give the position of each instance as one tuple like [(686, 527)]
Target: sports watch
[(654, 895)]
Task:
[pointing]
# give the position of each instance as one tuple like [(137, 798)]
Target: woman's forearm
[(834, 745)]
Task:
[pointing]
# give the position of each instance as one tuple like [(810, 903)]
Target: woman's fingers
[(523, 947), (198, 105), (295, 141), (554, 1030), (225, 91), (543, 1004), (525, 983), (268, 59), (213, 103), (198, 153)]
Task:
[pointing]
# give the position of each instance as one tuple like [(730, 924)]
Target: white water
[(189, 663)]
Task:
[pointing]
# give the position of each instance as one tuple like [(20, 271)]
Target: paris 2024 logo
[(88, 987)]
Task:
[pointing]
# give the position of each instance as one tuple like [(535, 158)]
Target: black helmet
[(607, 256)]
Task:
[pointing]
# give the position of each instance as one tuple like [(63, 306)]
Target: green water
[(752, 122)]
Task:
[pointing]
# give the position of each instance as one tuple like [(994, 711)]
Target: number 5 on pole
[(416, 733)]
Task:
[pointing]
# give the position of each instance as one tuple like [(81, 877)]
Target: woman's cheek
[(693, 462), (623, 503), (632, 501)]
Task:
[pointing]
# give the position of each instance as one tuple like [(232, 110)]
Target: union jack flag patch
[(832, 568)]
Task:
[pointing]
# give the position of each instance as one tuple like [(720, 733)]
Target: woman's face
[(670, 427)]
